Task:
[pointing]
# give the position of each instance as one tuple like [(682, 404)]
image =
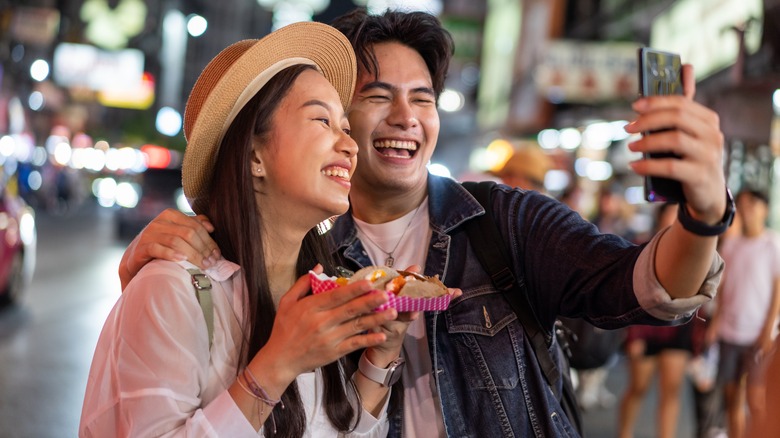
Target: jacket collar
[(449, 205)]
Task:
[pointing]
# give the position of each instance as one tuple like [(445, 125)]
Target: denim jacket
[(487, 376)]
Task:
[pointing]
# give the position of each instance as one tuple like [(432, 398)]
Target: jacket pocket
[(489, 344)]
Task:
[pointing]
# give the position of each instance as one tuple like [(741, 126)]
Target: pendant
[(389, 261)]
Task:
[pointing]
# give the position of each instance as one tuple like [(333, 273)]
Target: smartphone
[(660, 74)]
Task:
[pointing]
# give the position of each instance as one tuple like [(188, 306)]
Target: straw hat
[(237, 73), (527, 162)]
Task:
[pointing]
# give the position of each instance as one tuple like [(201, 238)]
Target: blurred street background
[(92, 94)]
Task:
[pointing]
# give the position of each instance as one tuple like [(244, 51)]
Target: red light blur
[(157, 157)]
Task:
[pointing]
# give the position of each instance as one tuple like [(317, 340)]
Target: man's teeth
[(396, 144), (338, 172)]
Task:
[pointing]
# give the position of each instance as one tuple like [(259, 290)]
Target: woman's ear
[(257, 170), (257, 166)]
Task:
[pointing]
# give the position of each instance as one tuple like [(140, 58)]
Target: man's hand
[(173, 236), (691, 131)]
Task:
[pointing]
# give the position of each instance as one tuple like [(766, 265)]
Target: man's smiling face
[(394, 122)]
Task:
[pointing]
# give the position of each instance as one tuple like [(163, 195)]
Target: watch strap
[(384, 376), (702, 229)]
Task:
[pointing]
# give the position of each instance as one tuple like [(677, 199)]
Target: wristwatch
[(383, 376), (700, 228)]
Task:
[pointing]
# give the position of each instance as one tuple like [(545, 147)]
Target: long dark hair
[(231, 210), (419, 30)]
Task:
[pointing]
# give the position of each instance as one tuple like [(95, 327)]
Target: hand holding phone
[(660, 73)]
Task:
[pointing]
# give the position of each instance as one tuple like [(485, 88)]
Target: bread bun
[(401, 283)]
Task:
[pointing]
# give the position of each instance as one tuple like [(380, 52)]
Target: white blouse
[(153, 373)]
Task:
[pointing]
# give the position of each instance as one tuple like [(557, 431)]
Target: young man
[(746, 315), (471, 371)]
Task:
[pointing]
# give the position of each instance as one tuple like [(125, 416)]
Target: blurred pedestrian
[(268, 158), (746, 312), (526, 168), (650, 349), (769, 425)]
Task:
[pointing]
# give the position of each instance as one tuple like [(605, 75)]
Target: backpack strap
[(202, 286), (491, 250)]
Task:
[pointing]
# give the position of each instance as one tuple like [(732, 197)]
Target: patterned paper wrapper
[(323, 283)]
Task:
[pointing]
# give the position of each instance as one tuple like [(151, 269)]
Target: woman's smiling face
[(309, 157)]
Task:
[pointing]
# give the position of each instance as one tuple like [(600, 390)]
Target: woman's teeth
[(338, 172)]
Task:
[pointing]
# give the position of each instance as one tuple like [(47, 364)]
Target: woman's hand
[(691, 131), (314, 330), (173, 236), (395, 331)]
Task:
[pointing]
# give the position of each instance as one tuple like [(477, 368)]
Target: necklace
[(390, 259)]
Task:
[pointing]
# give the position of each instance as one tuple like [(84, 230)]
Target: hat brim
[(309, 43)]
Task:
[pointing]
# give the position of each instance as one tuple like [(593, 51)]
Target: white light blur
[(619, 130), (451, 100), (127, 158), (479, 159), (168, 121), (127, 194), (27, 228), (379, 6), (635, 195), (196, 25), (52, 141), (181, 202), (7, 145), (287, 13), (316, 6), (95, 160), (35, 101), (23, 148), (10, 166), (597, 136), (34, 180), (78, 158), (439, 169), (776, 101), (549, 138), (39, 156), (599, 171), (581, 166), (39, 70), (62, 153), (570, 138), (555, 180), (104, 190)]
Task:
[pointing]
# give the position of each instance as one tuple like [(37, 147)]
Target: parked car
[(18, 239)]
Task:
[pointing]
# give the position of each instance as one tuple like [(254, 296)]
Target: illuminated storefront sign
[(574, 71), (701, 31)]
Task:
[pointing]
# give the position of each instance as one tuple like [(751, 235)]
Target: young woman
[(268, 158)]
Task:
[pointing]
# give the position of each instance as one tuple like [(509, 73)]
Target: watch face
[(394, 371)]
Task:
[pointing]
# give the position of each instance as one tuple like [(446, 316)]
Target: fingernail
[(179, 257), (630, 126), (207, 263), (216, 254), (640, 104)]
